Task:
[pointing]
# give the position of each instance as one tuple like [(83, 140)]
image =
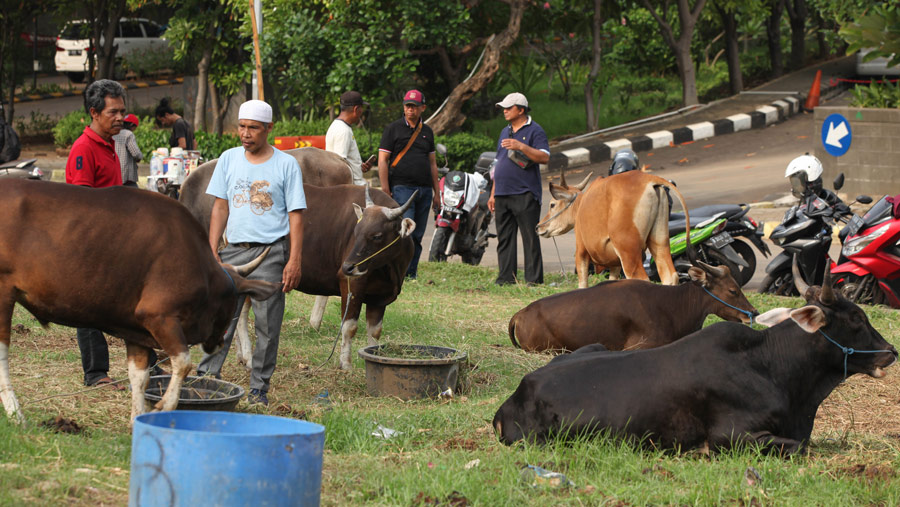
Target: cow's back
[(120, 237)]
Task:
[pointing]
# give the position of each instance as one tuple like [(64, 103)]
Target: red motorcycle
[(869, 268)]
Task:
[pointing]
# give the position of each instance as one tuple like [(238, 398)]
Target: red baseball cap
[(131, 118), (414, 97)]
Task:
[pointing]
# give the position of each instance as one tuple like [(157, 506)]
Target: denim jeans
[(418, 211)]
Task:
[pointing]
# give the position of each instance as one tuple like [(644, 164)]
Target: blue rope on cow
[(848, 351), (233, 286), (745, 312)]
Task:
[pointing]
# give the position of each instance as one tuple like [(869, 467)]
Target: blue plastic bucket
[(223, 458)]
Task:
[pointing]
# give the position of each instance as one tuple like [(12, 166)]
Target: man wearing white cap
[(259, 204), (516, 193)]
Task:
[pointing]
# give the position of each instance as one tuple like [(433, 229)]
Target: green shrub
[(879, 95), (152, 61), (69, 128), (212, 145), (299, 127), (463, 149), (149, 137)]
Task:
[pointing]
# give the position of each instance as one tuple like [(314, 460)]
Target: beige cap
[(513, 99)]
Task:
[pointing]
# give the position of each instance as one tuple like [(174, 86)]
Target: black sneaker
[(258, 396)]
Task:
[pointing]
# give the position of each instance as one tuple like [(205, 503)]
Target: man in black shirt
[(182, 131), (406, 163)]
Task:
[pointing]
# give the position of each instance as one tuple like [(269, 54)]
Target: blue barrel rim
[(318, 428)]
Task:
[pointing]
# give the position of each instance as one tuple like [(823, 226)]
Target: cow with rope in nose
[(359, 253)]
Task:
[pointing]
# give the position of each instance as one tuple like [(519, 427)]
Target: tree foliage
[(879, 29)]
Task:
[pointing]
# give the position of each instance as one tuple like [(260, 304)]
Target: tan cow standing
[(615, 220)]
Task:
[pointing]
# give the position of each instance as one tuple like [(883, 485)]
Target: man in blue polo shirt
[(516, 194)]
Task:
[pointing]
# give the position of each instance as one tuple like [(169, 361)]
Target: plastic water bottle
[(155, 164)]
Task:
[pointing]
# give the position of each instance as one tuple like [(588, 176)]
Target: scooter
[(21, 169), (710, 241), (738, 225), (806, 231), (461, 225), (869, 269)]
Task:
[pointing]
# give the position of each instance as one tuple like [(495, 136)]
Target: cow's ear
[(407, 226), (773, 317), (358, 210), (698, 275), (560, 193), (809, 318)]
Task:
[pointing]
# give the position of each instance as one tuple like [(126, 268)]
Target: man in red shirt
[(93, 163)]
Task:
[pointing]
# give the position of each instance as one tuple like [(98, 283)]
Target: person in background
[(516, 194), (127, 150), (257, 171), (93, 163), (406, 164), (339, 138), (182, 131)]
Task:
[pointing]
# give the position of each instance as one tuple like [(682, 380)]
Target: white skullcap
[(255, 110)]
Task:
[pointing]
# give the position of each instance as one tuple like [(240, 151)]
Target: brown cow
[(321, 168), (615, 220), (360, 254), (629, 314), (131, 263)]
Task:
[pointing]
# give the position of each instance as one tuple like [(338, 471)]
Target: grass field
[(447, 451)]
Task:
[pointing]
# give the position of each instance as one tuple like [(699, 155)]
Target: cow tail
[(512, 331), (692, 255)]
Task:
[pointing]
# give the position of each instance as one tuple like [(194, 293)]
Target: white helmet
[(806, 163), (805, 174)]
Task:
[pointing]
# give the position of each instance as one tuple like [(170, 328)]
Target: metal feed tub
[(418, 371)]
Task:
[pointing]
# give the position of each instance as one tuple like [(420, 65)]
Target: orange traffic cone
[(812, 100)]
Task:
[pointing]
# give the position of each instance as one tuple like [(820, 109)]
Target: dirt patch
[(60, 424), (460, 443), (455, 499), (869, 472)]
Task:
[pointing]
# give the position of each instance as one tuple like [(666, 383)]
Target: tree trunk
[(202, 87), (797, 13), (773, 33), (593, 114), (732, 53), (214, 104), (681, 47), (820, 36), (106, 54), (451, 117)]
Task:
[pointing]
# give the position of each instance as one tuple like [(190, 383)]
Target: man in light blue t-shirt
[(259, 203)]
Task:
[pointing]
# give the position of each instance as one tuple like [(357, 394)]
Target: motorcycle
[(461, 224), (711, 242), (21, 169), (806, 231), (869, 268), (738, 225)]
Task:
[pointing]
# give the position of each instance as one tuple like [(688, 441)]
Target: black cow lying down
[(723, 385)]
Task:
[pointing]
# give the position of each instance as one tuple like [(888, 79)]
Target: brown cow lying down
[(615, 220), (131, 263), (722, 386), (629, 314)]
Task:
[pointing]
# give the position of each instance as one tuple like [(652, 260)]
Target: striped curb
[(128, 85), (763, 116)]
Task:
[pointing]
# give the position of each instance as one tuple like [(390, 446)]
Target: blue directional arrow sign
[(836, 135)]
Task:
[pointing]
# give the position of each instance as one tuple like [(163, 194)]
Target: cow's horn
[(369, 201), (396, 212), (801, 286), (562, 177), (584, 182), (715, 270), (248, 268), (826, 295)]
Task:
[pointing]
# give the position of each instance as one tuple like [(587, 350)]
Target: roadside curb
[(763, 116), (128, 85)]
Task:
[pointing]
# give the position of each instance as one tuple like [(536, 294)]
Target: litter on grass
[(536, 476)]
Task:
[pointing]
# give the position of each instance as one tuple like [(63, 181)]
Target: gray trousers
[(268, 313)]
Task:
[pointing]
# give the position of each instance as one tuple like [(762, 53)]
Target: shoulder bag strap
[(412, 139)]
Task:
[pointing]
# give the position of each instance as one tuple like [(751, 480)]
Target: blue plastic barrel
[(223, 458)]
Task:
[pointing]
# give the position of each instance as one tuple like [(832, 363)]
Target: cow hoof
[(372, 341), (346, 366)]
